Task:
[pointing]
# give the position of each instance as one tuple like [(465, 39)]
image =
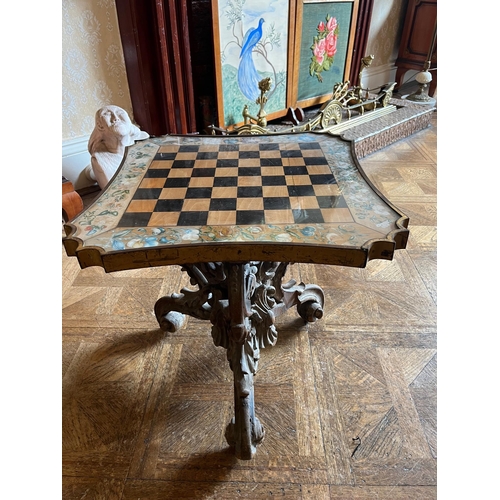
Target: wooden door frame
[(365, 10), (155, 40)]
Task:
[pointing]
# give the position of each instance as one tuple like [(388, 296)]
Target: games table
[(234, 211)]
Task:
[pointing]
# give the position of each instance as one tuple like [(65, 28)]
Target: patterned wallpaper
[(93, 68), (385, 31)]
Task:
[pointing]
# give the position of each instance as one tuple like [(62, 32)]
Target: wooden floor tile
[(76, 488), (376, 492)]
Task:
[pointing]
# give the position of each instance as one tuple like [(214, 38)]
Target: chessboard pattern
[(348, 402), (242, 184)]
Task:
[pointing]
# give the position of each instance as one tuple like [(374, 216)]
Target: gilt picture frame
[(323, 48), (253, 40)]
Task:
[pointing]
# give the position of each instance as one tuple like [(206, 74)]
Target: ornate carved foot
[(242, 302), (170, 310), (309, 299), (245, 431), (171, 321)]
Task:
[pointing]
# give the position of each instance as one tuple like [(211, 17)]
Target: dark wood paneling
[(155, 39), (417, 39), (203, 62), (361, 38)]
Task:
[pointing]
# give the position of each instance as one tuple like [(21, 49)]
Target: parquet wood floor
[(349, 402)]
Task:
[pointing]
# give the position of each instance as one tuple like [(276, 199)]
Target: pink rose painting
[(324, 47)]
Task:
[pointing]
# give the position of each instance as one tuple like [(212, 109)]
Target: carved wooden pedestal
[(241, 301)]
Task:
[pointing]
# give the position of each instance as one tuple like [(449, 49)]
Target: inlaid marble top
[(185, 199)]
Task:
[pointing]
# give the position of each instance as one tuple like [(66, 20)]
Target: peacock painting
[(253, 39), (248, 77)]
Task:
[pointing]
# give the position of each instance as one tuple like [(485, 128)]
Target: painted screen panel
[(253, 40), (326, 27)]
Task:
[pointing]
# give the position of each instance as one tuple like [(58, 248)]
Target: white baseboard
[(373, 78), (75, 158)]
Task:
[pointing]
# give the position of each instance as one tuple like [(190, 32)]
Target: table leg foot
[(245, 431), (172, 321), (310, 311), (309, 300), (171, 310)]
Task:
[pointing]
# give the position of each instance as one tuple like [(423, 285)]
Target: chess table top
[(187, 199)]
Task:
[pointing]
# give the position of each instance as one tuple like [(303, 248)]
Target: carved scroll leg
[(311, 302), (169, 319), (245, 431), (172, 321), (309, 299), (170, 311)]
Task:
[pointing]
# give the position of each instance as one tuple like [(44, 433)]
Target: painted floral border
[(374, 219)]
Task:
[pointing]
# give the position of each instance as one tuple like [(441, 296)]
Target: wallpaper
[(385, 31), (93, 68)]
